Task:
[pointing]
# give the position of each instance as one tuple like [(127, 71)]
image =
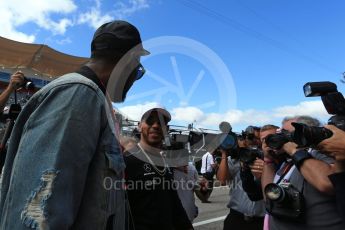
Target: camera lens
[(274, 192)]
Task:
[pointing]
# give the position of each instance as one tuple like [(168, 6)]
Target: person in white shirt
[(208, 168)]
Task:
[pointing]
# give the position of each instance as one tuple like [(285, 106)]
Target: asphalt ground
[(211, 215)]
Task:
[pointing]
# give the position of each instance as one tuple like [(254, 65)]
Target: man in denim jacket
[(64, 167)]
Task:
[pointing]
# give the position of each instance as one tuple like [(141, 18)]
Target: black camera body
[(27, 84), (11, 112), (276, 141), (248, 155), (284, 201), (304, 136), (311, 136)]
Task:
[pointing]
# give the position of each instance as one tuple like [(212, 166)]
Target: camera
[(27, 84), (311, 136), (276, 141), (227, 140), (249, 133), (284, 201), (334, 102), (303, 136), (224, 141), (248, 155)]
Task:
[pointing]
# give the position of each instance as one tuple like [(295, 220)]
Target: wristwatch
[(299, 157)]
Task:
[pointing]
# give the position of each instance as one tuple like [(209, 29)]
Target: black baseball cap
[(161, 111), (126, 36)]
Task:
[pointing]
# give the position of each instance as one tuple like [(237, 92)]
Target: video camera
[(311, 136)]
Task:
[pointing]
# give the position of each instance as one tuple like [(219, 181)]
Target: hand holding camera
[(334, 145), (290, 148), (17, 80), (257, 167)]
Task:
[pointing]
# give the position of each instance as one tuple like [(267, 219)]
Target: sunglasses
[(140, 72), (153, 119)]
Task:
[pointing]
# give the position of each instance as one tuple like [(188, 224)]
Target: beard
[(152, 141), (129, 83)]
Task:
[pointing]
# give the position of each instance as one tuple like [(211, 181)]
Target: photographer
[(251, 174), (244, 213), (335, 146), (252, 136), (17, 79), (297, 194)]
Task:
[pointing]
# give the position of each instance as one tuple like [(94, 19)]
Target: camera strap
[(285, 170)]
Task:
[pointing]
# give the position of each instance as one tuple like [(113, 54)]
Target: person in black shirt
[(153, 201)]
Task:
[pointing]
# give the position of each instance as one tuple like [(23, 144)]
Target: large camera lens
[(276, 141), (309, 136), (227, 141), (274, 192), (27, 84)]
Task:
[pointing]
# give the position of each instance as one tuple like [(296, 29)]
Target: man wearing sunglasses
[(154, 203), (64, 158)]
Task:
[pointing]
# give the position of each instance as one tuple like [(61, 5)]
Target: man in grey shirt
[(307, 172)]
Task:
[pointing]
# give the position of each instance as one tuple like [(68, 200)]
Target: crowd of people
[(67, 166)]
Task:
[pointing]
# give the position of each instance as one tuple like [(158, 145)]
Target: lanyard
[(286, 169)]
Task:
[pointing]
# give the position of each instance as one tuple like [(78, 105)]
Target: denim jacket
[(64, 167)]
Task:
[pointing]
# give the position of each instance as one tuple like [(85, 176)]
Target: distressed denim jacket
[(64, 167)]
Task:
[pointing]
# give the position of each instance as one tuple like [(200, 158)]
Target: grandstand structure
[(39, 63)]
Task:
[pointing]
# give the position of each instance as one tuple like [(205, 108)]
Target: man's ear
[(139, 126)]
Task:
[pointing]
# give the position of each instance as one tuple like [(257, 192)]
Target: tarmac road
[(212, 215)]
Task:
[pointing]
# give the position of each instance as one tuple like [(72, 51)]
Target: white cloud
[(56, 16), (95, 17), (239, 119), (187, 114), (64, 41), (136, 111), (15, 13), (313, 108), (124, 10)]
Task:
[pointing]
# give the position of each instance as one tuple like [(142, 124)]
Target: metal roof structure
[(36, 60)]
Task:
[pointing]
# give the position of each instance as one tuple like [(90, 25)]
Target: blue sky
[(270, 48)]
